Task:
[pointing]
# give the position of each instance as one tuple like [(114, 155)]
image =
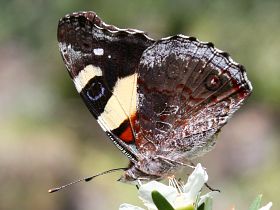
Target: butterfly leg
[(211, 188)]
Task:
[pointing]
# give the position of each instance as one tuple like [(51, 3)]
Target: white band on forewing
[(122, 103), (85, 76)]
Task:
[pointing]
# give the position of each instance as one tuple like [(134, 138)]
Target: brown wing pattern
[(187, 90)]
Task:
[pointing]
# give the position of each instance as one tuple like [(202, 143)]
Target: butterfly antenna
[(86, 179)]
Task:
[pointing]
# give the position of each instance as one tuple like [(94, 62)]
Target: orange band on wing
[(127, 135), (124, 132)]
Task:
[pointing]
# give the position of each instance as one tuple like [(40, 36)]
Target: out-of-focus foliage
[(48, 137)]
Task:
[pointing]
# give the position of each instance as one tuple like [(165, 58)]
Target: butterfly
[(161, 102)]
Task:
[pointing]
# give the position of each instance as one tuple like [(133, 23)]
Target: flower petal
[(207, 195), (182, 200), (126, 206), (145, 193), (267, 206), (195, 182)]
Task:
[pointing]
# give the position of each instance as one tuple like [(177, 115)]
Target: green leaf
[(256, 203), (201, 207), (160, 201)]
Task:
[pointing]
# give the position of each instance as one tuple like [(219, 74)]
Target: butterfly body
[(161, 102)]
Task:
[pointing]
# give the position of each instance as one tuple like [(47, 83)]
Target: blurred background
[(49, 138)]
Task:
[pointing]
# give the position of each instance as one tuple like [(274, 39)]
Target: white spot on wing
[(85, 75), (98, 51), (122, 103)]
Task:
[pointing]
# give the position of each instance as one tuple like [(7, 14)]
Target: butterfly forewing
[(102, 61)]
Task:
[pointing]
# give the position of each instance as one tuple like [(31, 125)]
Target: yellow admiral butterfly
[(160, 102)]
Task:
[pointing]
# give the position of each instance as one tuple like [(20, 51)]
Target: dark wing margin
[(102, 61)]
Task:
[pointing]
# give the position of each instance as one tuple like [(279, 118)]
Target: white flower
[(267, 206), (178, 196)]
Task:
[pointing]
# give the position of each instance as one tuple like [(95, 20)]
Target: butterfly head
[(148, 169), (133, 175)]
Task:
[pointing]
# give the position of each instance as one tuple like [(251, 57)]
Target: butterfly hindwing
[(187, 90)]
